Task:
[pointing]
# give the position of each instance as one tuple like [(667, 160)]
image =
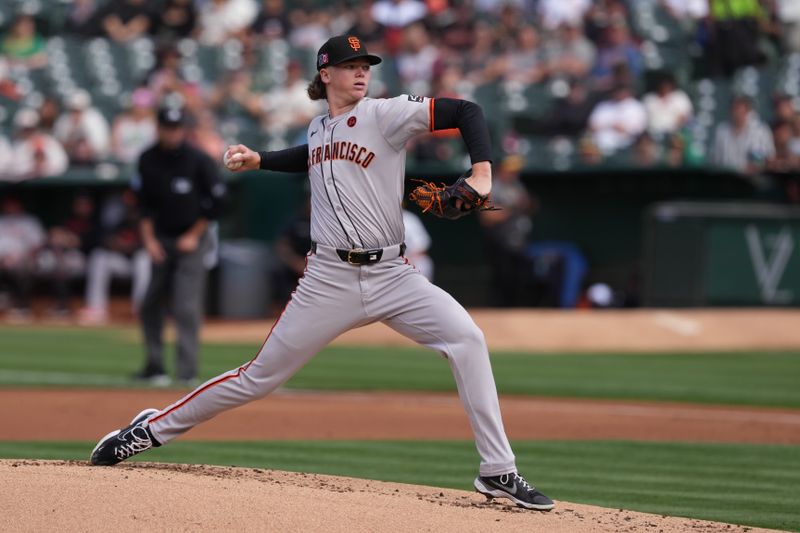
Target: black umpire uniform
[(180, 191)]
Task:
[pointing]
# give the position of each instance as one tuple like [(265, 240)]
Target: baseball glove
[(440, 200)]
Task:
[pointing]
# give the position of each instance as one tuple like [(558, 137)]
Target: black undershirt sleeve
[(290, 160), (468, 118)]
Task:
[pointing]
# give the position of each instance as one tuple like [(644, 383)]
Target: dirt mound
[(72, 496)]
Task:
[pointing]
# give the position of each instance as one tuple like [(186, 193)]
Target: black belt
[(359, 256)]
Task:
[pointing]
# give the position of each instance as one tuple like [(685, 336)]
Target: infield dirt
[(71, 496)]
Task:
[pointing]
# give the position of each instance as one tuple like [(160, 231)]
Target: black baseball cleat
[(126, 442), (515, 488)]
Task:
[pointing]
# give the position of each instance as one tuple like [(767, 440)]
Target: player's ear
[(325, 75)]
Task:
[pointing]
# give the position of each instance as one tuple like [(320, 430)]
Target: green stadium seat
[(539, 99), (209, 61)]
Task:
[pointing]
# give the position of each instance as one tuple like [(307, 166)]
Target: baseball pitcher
[(356, 272)]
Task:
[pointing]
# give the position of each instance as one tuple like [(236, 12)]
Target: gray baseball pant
[(181, 279), (333, 297)]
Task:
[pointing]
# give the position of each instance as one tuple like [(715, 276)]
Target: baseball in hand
[(232, 161)]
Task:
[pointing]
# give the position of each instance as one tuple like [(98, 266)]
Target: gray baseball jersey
[(356, 165), (356, 168)]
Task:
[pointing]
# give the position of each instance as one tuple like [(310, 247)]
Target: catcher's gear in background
[(442, 200)]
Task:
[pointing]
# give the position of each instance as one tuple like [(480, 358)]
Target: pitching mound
[(73, 496)]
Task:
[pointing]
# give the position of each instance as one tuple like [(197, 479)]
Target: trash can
[(244, 290)]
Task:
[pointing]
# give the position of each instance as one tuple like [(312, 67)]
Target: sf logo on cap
[(355, 44)]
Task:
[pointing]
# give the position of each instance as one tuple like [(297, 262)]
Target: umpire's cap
[(343, 48), (171, 117)]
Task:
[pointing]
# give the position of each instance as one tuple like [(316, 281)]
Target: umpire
[(180, 190)]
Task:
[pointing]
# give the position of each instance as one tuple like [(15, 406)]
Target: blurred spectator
[(617, 48), (507, 26), (8, 88), (398, 13), (394, 15), (221, 20), (119, 255), (480, 62), (288, 106), (291, 247), (680, 152), (589, 153), (668, 108), (82, 130), (525, 62), (418, 60), (62, 260), (49, 112), (507, 232), (21, 236), (418, 241), (22, 45), (570, 53), (569, 116), (617, 122), (176, 19), (82, 19), (646, 152), (447, 81), (686, 9), (458, 28), (36, 153), (235, 95), (272, 21), (786, 158), (789, 17), (203, 134), (784, 110), (166, 78), (602, 15), (487, 8), (342, 17), (735, 34), (125, 20), (557, 13), (309, 28), (366, 27), (744, 142), (134, 129)]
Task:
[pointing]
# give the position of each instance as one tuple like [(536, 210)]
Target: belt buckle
[(350, 255)]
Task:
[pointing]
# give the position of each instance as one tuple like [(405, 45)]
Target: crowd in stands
[(592, 59), (591, 81), (96, 241)]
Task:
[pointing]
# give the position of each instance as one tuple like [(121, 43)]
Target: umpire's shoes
[(126, 442), (515, 488)]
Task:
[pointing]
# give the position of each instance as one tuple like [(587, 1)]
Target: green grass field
[(753, 485), (106, 357)]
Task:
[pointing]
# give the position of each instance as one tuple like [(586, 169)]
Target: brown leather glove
[(441, 200)]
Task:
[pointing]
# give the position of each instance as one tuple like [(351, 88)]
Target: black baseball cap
[(343, 48), (171, 116)]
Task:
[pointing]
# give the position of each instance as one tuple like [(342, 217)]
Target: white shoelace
[(504, 479), (521, 481), (139, 444)]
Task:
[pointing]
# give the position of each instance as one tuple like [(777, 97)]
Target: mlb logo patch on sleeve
[(414, 98)]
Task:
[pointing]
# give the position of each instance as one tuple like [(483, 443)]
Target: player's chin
[(359, 90)]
